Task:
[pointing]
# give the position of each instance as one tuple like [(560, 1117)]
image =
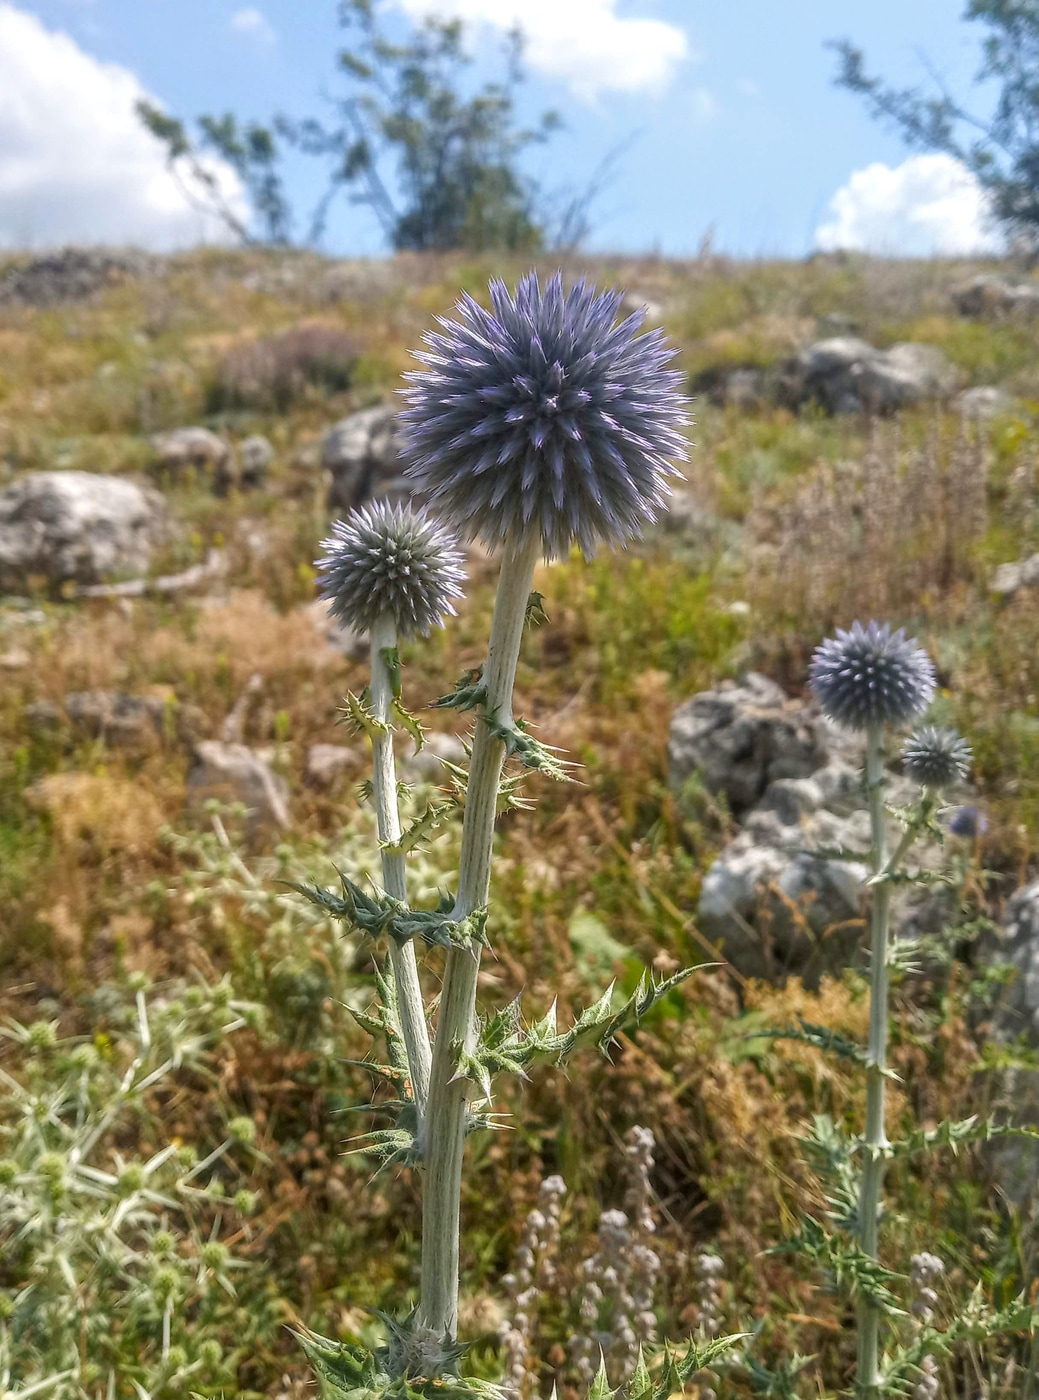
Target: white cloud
[(251, 22), (582, 42), (928, 206), (75, 163)]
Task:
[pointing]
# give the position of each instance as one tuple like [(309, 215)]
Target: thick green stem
[(456, 1023), (875, 1143), (384, 783)]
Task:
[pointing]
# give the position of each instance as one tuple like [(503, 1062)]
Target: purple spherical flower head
[(871, 675), (936, 757), (390, 559), (969, 822), (545, 415)]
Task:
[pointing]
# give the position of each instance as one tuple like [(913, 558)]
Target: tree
[(456, 157), (1002, 150), (439, 166), (253, 154)]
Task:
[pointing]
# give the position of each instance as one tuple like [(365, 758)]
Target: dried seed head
[(390, 559), (545, 415), (871, 675), (935, 757)]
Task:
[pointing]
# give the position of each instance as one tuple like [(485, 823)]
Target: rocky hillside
[(175, 436)]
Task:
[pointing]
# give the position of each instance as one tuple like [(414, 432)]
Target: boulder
[(194, 448), (784, 896), (361, 456), (982, 402), (234, 773), (326, 763), (846, 374), (255, 455), (1011, 578), (989, 297), (120, 720), (742, 737), (777, 909), (69, 274), (78, 526)]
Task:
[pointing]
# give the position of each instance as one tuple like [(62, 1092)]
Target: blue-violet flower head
[(390, 558), (545, 414), (871, 675), (936, 757)]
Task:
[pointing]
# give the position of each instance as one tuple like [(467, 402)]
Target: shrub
[(278, 371), (113, 1278)]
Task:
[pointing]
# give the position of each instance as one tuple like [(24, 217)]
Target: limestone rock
[(988, 297), (326, 763), (846, 374), (183, 449), (255, 455), (360, 453), (740, 738), (1011, 578), (982, 402), (234, 773), (79, 526)]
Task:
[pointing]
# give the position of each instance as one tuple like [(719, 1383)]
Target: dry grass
[(883, 535)]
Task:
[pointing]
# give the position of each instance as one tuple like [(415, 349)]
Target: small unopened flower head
[(969, 822), (545, 415), (871, 675), (935, 757), (390, 559)]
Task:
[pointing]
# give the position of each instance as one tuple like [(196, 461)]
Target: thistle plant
[(114, 1277), (534, 426), (874, 680)]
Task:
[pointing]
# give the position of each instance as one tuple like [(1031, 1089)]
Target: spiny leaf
[(506, 1046), (536, 616), (358, 716), (422, 828), (956, 1133), (519, 744), (780, 1384), (600, 1388), (821, 1037), (381, 914), (391, 660), (469, 693), (851, 1271), (678, 1372), (978, 1322), (411, 724)]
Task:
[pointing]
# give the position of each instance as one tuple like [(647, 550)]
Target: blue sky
[(743, 133)]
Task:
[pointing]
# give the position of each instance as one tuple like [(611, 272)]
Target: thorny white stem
[(875, 1144), (384, 782), (456, 1026)]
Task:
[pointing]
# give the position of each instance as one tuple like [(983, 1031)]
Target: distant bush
[(277, 371)]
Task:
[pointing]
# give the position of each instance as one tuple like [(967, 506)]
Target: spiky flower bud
[(390, 558), (871, 675), (545, 415), (935, 757)]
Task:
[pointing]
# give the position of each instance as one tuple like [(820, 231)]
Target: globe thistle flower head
[(545, 415), (935, 757), (390, 558), (969, 822), (871, 675)]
